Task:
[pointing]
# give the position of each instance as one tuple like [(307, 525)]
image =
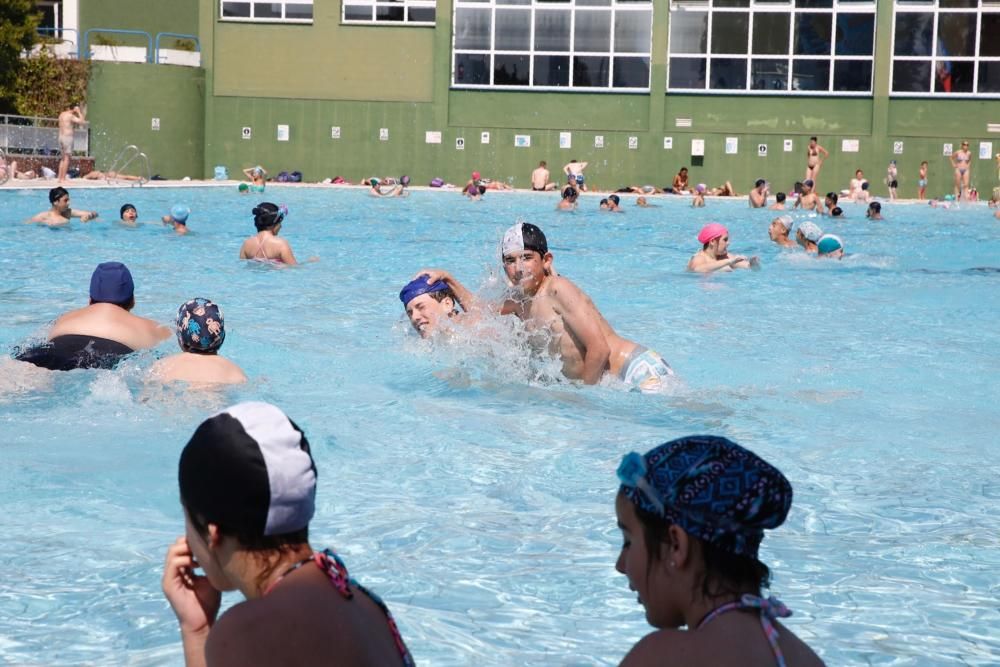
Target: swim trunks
[(893, 184), (645, 370), (922, 182), (256, 188), (72, 351), (66, 144)]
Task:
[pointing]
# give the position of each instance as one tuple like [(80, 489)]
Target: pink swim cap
[(712, 231), (475, 174)]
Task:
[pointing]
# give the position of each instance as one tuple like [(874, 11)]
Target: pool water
[(472, 493)]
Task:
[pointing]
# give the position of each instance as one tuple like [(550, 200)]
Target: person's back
[(265, 246), (112, 322), (201, 330)]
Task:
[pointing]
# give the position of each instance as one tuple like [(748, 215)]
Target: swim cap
[(56, 193), (267, 215), (701, 187), (875, 206), (811, 231), (712, 488), (419, 286), (180, 213), (569, 192), (125, 207), (404, 180), (829, 243), (785, 220), (243, 187), (523, 236), (111, 282), (373, 182), (200, 326), (711, 231), (249, 470), (475, 175)]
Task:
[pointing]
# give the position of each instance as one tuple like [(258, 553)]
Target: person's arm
[(85, 216), (566, 168), (78, 117), (581, 321), (466, 299), (194, 601), (287, 256), (583, 165), (248, 172), (822, 150), (700, 264)]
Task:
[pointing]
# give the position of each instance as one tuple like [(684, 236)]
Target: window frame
[(254, 19), (784, 8), (933, 7), (571, 7), (375, 4)]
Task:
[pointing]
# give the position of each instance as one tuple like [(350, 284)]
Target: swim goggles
[(632, 472)]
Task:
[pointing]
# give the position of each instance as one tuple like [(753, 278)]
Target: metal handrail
[(133, 153), (156, 51), (85, 49), (44, 31)]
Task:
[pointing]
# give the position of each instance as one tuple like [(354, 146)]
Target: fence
[(96, 45), (35, 135)]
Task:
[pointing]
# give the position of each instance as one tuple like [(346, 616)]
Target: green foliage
[(184, 44), (107, 40), (47, 85), (18, 26)]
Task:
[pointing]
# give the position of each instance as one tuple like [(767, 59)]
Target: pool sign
[(282, 133), (335, 132), (789, 143), (849, 145), (432, 137), (598, 141), (156, 125), (946, 150), (668, 143), (522, 141), (484, 138), (565, 140), (985, 150), (697, 148), (383, 134), (761, 150), (897, 148), (732, 145), (459, 143), (247, 133), (633, 143)]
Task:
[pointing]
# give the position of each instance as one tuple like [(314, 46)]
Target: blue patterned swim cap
[(200, 326), (711, 487)]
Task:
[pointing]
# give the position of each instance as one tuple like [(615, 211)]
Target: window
[(946, 47), (771, 46), (282, 11), (391, 12), (593, 45)]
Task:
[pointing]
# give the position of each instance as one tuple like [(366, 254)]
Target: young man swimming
[(432, 297), (60, 213), (779, 231), (575, 330), (714, 254)]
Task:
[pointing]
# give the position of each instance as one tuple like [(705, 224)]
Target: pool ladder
[(125, 157)]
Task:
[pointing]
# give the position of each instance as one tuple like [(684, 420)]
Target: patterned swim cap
[(200, 326), (711, 487)]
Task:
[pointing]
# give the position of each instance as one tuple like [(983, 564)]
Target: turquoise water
[(478, 499)]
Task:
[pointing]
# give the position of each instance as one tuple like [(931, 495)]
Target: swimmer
[(892, 179), (247, 484), (243, 188), (856, 191), (922, 181), (568, 200), (692, 513), (642, 203), (614, 204), (698, 201), (389, 187), (201, 330), (779, 231), (830, 247), (714, 256), (815, 154), (680, 183), (836, 212), (961, 161), (830, 201), (265, 246), (576, 331), (127, 215), (257, 176), (574, 174), (102, 333), (434, 296), (177, 218), (758, 196), (603, 204), (809, 200), (60, 213), (540, 178), (808, 235), (874, 211), (779, 202), (474, 187)]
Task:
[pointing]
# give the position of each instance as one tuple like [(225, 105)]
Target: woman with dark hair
[(265, 246), (693, 512), (248, 487)]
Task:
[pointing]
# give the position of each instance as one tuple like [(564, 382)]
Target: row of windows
[(939, 47)]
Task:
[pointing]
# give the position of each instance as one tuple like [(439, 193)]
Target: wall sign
[(732, 145), (247, 133), (335, 132), (789, 144), (484, 138), (697, 148), (383, 134), (459, 143), (850, 146), (633, 143), (565, 140), (155, 125), (761, 150), (282, 133), (897, 148), (668, 143), (599, 141), (431, 137), (522, 141)]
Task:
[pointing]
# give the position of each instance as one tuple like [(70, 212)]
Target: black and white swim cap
[(523, 236), (248, 469)]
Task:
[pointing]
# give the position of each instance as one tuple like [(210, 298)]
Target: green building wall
[(364, 78), (152, 16)]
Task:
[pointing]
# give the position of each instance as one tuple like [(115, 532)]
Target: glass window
[(397, 12), (812, 34), (689, 32), (768, 74), (855, 34), (687, 73), (472, 68), (729, 32), (989, 76), (586, 44), (957, 35), (913, 34), (811, 75), (299, 11), (852, 75), (911, 76), (989, 42), (770, 33), (728, 74)]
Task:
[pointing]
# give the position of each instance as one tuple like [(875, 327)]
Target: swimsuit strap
[(260, 249), (771, 609)]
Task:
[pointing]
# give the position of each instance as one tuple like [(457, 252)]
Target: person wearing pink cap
[(713, 255), (474, 187)]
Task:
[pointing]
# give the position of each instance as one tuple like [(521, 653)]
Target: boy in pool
[(434, 296), (830, 247), (127, 215), (779, 231), (177, 218), (808, 235), (60, 213), (201, 331), (714, 256), (574, 329)]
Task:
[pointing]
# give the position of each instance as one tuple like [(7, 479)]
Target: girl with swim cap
[(265, 246), (692, 514), (248, 487)]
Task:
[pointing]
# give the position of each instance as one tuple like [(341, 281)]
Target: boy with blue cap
[(178, 218), (433, 296), (102, 333)]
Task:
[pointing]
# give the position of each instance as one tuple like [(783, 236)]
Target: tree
[(18, 33)]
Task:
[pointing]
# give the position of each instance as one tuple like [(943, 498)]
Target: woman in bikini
[(680, 184), (265, 246), (961, 160), (690, 552), (248, 487), (815, 154)]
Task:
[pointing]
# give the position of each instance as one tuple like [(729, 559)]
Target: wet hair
[(780, 197), (759, 182), (875, 206), (837, 212), (832, 196), (267, 215), (813, 139), (614, 198), (864, 186), (725, 573), (604, 202), (798, 187), (57, 193), (568, 192)]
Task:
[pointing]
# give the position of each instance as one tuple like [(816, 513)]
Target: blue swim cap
[(111, 282), (829, 243), (419, 286), (180, 213)]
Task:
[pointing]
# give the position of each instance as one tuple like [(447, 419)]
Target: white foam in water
[(466, 481)]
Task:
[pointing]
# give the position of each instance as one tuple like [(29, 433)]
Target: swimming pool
[(477, 500)]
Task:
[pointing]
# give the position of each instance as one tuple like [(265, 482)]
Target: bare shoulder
[(662, 647), (242, 636)]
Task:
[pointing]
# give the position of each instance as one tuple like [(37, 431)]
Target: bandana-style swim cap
[(810, 230), (200, 326), (711, 487)]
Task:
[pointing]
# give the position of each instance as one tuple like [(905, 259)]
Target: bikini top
[(335, 570), (771, 609)]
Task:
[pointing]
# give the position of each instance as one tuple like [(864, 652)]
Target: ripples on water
[(470, 489)]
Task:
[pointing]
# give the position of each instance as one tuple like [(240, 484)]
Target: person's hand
[(737, 259), (754, 262), (433, 275), (194, 601), (88, 216)]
